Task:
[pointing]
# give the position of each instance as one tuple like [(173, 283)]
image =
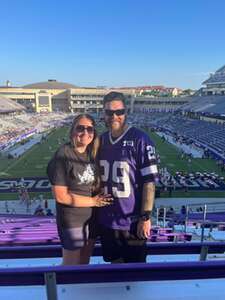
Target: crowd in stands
[(210, 105), (11, 134), (197, 133), (182, 180), (16, 127)]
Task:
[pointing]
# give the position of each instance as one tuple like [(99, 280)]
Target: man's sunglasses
[(82, 128), (118, 112)]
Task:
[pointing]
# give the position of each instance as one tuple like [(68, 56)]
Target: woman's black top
[(77, 172)]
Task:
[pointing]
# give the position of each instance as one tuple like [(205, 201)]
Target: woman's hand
[(103, 200)]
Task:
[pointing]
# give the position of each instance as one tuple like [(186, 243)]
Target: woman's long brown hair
[(92, 148)]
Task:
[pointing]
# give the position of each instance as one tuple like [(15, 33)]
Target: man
[(128, 171)]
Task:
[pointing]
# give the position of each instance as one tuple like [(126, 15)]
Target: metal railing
[(50, 277)]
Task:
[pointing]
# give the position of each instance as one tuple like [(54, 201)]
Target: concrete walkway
[(18, 207), (18, 151), (213, 204), (196, 152)]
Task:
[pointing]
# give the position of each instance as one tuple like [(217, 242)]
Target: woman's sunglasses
[(82, 128), (118, 112)]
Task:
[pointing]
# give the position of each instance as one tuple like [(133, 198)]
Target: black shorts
[(122, 244), (75, 228), (76, 237), (73, 238)]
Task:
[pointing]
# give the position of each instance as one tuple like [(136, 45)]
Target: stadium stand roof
[(217, 78), (50, 84), (7, 105), (211, 104)]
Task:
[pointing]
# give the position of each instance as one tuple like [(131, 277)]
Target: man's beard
[(122, 125)]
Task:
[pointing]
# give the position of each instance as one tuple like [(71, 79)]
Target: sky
[(175, 43)]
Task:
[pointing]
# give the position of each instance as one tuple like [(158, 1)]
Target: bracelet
[(146, 216)]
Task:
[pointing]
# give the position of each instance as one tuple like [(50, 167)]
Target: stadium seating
[(15, 128), (32, 230), (205, 133), (209, 104), (9, 106)]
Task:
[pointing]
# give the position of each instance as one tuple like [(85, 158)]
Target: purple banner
[(42, 184)]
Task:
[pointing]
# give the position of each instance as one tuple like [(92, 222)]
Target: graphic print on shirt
[(87, 176)]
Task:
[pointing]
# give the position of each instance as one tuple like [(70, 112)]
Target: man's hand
[(144, 229)]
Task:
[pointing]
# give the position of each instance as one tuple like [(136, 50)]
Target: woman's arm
[(64, 196)]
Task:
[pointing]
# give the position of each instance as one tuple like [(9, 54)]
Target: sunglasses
[(118, 112), (82, 128)]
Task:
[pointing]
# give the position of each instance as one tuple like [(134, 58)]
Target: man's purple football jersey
[(125, 165)]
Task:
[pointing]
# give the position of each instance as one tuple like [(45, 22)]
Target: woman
[(72, 173)]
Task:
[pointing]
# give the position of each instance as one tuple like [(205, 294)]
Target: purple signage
[(32, 184)]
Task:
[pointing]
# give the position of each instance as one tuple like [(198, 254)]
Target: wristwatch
[(145, 216)]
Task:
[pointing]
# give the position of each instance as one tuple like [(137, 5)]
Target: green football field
[(171, 158), (33, 163)]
